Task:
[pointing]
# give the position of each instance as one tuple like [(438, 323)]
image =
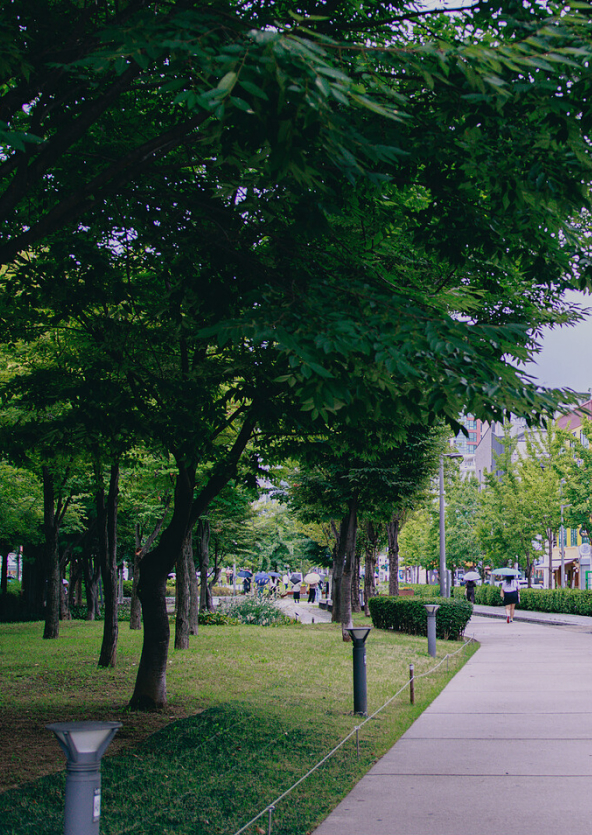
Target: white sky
[(566, 358)]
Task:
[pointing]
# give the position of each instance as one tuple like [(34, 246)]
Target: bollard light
[(358, 634), (431, 609), (83, 743)]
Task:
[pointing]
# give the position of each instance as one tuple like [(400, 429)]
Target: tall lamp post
[(444, 586)]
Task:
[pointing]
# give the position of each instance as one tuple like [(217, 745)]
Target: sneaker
[(508, 619)]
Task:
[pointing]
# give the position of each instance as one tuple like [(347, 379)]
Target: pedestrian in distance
[(470, 587), (510, 595), (296, 590)]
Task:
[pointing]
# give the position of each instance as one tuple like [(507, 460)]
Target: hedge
[(405, 614)]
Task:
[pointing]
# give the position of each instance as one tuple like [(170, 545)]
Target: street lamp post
[(444, 585), (83, 743), (358, 635)]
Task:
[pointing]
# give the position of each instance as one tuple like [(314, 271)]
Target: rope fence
[(270, 808)]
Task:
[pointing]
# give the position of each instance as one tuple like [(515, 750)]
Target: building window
[(574, 536)]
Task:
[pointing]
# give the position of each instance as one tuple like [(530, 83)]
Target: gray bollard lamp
[(431, 609), (358, 634), (83, 743)]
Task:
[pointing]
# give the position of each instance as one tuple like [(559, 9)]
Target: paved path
[(304, 612), (506, 746)]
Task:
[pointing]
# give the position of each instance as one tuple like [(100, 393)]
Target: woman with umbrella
[(509, 590), (471, 578)]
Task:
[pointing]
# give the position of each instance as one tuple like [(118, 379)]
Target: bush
[(79, 612), (127, 588), (258, 611), (405, 614), (223, 591), (216, 619), (422, 589), (487, 595)]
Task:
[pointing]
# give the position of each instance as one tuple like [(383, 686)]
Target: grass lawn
[(250, 711)]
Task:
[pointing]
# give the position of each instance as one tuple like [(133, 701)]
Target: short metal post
[(412, 684), (431, 609), (358, 634), (83, 743), (271, 811)]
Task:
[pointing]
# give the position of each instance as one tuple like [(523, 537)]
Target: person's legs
[(508, 610), (512, 607)]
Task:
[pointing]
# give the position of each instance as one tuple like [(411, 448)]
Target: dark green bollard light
[(431, 609), (83, 743), (358, 635)]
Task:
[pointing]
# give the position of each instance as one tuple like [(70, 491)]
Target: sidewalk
[(506, 746), (304, 612)]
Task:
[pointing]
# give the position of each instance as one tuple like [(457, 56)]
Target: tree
[(383, 225), (522, 502)]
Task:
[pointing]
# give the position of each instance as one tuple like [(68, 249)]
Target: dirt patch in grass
[(25, 731)]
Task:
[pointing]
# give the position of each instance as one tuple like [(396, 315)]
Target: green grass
[(264, 705)]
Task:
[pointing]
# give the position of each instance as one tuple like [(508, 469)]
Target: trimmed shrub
[(406, 614), (258, 611), (79, 612), (422, 589), (216, 619), (487, 595), (127, 588)]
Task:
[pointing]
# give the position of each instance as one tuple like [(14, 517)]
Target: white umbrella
[(312, 578), (472, 575)]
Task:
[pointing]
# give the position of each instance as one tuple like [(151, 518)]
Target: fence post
[(411, 684)]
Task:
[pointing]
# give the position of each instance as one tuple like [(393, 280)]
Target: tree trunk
[(393, 554), (550, 541), (203, 552), (182, 616), (135, 605), (348, 548), (53, 589), (92, 570), (4, 583), (107, 529), (150, 689), (193, 586), (140, 551), (370, 566), (356, 605), (336, 575)]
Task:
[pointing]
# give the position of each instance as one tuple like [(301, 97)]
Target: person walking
[(510, 595), (470, 587), (296, 589)]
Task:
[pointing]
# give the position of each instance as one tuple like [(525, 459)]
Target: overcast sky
[(566, 358)]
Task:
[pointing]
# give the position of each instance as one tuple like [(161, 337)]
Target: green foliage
[(254, 725), (127, 588), (567, 601), (79, 613), (421, 589), (488, 595), (217, 618), (404, 614), (257, 611)]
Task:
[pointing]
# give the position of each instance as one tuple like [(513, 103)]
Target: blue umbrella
[(244, 573), (274, 574), (261, 578)]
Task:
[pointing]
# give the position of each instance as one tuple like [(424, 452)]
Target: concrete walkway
[(506, 746)]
